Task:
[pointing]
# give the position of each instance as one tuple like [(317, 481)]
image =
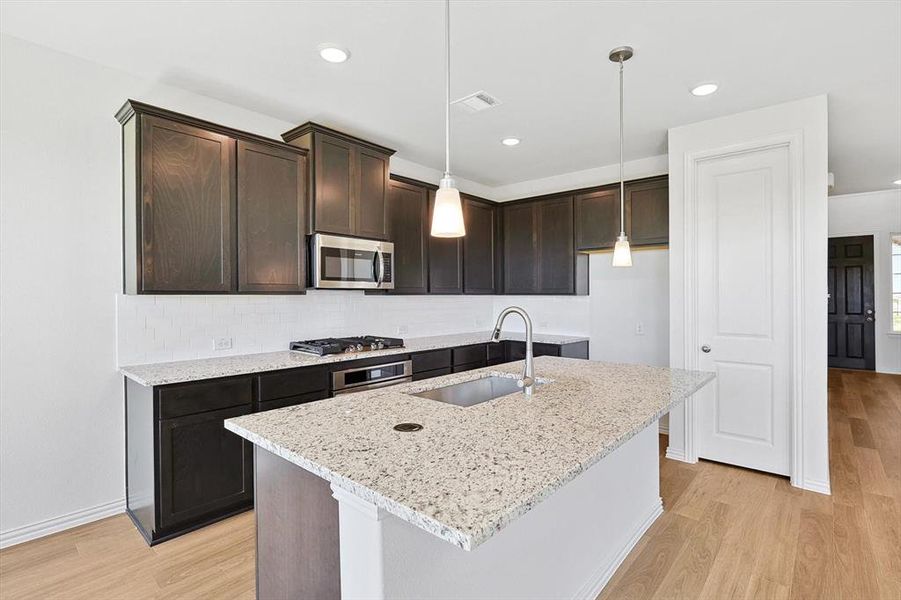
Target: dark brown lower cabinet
[(517, 350), (204, 468), (184, 469)]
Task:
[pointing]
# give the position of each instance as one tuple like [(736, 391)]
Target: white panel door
[(744, 307)]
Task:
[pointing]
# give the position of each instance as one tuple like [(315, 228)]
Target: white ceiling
[(546, 60)]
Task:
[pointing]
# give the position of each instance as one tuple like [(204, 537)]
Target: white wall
[(807, 119), (877, 214)]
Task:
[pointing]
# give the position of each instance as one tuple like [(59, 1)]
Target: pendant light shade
[(622, 254), (447, 215)]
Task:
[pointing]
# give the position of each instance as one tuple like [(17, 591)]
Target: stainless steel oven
[(371, 377), (351, 263)]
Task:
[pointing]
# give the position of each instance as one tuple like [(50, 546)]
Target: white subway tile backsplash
[(164, 328)]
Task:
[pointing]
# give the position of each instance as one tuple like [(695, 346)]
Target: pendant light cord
[(622, 185), (447, 88)]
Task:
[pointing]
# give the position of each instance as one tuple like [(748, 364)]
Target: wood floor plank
[(883, 523), (687, 575), (855, 565), (861, 434), (814, 557)]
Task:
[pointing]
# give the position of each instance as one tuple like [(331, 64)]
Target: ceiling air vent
[(478, 101)]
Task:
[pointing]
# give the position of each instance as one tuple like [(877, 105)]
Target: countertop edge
[(134, 372)]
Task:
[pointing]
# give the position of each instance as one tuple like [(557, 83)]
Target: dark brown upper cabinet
[(556, 252), (597, 219), (597, 214), (208, 209), (520, 248), (481, 259), (647, 211), (271, 191), (539, 250), (348, 182), (183, 233), (408, 228), (445, 260)]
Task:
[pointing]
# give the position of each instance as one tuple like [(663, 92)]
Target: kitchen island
[(514, 497)]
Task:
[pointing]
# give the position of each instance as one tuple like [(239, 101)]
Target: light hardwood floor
[(725, 533)]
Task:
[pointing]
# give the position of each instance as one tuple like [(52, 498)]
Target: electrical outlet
[(480, 322), (639, 328), (402, 329), (223, 343)]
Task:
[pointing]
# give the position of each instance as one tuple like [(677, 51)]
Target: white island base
[(567, 546)]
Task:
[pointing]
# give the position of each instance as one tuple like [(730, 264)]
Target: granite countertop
[(471, 471), (243, 364)]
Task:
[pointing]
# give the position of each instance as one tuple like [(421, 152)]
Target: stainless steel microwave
[(351, 263)]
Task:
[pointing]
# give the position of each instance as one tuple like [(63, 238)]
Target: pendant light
[(622, 255), (447, 215)]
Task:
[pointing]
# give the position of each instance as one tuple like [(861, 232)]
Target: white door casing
[(744, 290)]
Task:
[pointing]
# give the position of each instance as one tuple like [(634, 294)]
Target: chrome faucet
[(527, 381)]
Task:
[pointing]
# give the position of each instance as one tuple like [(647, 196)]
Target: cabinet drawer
[(470, 354), (517, 350), (434, 359), (291, 401), (282, 384), (429, 374), (497, 352), (198, 397), (470, 366)]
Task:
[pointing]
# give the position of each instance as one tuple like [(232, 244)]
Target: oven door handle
[(379, 268)]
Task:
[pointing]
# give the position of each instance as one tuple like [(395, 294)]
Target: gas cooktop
[(362, 343)]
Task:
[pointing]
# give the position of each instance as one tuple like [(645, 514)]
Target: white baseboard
[(592, 588), (663, 427), (820, 487), (17, 535), (676, 454)]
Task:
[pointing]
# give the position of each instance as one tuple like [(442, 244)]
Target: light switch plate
[(639, 328)]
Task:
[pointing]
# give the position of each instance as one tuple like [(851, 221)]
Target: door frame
[(793, 141)]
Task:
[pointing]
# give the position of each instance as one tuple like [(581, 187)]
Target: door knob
[(705, 349)]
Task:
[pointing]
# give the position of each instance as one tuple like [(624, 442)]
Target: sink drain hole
[(405, 427)]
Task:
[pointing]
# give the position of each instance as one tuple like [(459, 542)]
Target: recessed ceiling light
[(510, 141), (897, 182), (333, 53), (704, 89)]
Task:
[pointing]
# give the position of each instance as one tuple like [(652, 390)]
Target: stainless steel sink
[(470, 393)]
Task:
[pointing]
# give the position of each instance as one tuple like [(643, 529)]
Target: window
[(896, 283)]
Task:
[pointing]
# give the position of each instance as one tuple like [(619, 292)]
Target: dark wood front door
[(851, 319)]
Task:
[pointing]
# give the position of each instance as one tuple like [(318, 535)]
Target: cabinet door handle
[(706, 349)]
